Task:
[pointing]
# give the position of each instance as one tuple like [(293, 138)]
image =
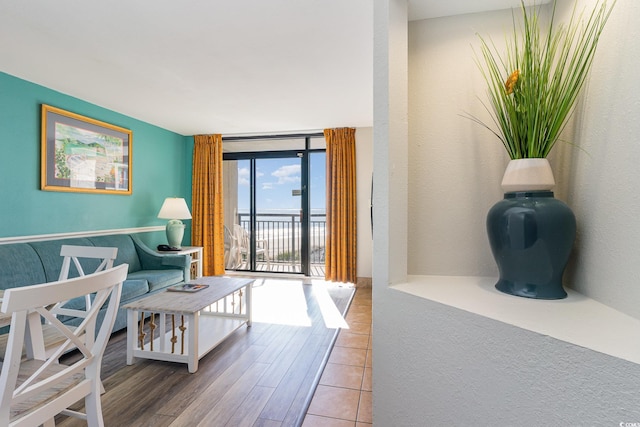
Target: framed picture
[(83, 154)]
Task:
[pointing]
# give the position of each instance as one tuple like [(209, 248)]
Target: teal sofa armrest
[(151, 260)]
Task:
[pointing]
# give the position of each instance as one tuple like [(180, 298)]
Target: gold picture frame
[(81, 154)]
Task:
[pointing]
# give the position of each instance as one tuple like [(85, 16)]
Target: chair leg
[(93, 407), (266, 251)]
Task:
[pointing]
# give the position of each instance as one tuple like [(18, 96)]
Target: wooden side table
[(196, 259)]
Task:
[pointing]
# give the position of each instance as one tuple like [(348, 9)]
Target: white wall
[(390, 116), (455, 166), (230, 191), (364, 169), (389, 200), (437, 365), (602, 179)]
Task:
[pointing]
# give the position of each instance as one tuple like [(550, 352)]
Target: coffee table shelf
[(189, 325)]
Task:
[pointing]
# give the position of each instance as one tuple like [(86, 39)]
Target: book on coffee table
[(188, 287)]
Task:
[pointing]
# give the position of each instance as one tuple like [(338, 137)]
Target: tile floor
[(343, 396)]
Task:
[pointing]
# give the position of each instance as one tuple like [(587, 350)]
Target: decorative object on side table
[(187, 287), (174, 209), (532, 91)]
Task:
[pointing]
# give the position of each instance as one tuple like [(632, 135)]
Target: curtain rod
[(285, 136)]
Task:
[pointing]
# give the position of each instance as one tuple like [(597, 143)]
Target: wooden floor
[(264, 375)]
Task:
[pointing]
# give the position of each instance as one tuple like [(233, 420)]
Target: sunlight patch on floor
[(330, 314), (280, 302)]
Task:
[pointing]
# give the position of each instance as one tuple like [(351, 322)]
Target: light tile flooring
[(343, 396)]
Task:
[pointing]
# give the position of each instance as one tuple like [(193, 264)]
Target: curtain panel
[(207, 225), (340, 249)]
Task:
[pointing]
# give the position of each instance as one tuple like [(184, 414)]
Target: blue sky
[(276, 179)]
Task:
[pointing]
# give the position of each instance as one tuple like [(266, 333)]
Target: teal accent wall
[(161, 168)]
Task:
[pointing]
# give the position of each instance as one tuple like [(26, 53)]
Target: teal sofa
[(31, 263)]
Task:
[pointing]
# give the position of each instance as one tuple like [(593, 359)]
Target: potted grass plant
[(533, 87)]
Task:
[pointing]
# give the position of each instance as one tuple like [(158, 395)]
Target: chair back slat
[(26, 297), (73, 254)]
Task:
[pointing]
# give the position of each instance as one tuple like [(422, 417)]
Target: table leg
[(248, 300), (132, 335), (192, 347)]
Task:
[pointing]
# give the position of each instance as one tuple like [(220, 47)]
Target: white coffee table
[(199, 321)]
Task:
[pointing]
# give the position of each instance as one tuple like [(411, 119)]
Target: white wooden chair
[(232, 256), (72, 254), (35, 389), (243, 242)]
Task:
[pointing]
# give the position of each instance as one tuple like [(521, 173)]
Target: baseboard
[(363, 282)]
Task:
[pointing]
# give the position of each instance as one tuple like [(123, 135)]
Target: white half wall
[(442, 366)]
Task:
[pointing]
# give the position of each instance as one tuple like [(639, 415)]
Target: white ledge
[(576, 319)]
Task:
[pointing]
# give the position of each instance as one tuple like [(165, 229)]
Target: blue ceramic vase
[(531, 235)]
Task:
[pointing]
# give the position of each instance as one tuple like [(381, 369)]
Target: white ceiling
[(209, 66)]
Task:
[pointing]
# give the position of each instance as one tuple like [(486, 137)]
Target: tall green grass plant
[(534, 85)]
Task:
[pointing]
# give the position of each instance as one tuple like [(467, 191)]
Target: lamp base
[(175, 233)]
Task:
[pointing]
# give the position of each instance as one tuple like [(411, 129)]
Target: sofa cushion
[(158, 279), (132, 289), (126, 249), (49, 253), (20, 265)]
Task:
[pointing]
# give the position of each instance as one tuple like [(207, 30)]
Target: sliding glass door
[(279, 212), (275, 209)]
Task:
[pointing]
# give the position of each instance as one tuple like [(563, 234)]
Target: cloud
[(243, 176), (287, 174), (267, 185)]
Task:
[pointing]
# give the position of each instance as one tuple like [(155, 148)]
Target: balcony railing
[(283, 233)]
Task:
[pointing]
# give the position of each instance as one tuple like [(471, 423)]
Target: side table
[(196, 259)]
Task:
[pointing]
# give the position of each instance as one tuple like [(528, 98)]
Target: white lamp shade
[(174, 208)]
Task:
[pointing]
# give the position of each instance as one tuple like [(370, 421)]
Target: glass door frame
[(305, 206)]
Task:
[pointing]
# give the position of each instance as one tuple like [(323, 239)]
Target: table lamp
[(174, 209)]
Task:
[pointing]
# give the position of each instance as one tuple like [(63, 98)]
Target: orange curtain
[(207, 225), (340, 249)]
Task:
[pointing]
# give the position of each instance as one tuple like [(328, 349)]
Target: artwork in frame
[(84, 155)]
